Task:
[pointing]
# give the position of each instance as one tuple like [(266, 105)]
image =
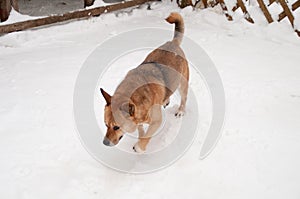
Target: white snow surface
[(15, 16), (257, 156)]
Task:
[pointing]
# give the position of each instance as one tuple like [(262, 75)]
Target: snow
[(98, 3), (46, 7), (17, 17), (258, 155)]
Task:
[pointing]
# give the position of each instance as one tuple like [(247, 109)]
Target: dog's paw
[(166, 103), (165, 106), (138, 149), (179, 113)]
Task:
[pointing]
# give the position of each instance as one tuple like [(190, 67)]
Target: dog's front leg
[(156, 119), (141, 130)]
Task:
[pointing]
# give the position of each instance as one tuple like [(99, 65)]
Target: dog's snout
[(106, 141)]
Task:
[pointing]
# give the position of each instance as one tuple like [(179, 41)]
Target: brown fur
[(139, 97)]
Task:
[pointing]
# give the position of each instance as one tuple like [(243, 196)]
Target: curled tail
[(176, 18)]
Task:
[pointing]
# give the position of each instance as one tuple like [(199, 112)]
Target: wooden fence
[(7, 5), (287, 10), (5, 8), (80, 14)]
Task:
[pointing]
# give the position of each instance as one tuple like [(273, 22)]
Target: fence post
[(5, 8), (225, 10), (240, 4), (88, 2), (15, 5), (295, 5), (265, 10), (287, 11), (271, 1)]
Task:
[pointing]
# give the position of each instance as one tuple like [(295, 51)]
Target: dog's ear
[(128, 108), (106, 96)]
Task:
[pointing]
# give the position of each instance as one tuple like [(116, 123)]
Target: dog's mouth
[(107, 142)]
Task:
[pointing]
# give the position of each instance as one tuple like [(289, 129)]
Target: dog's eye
[(116, 128)]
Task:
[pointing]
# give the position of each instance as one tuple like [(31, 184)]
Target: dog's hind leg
[(183, 91)]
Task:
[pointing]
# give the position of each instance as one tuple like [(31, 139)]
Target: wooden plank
[(246, 14), (184, 3), (225, 10), (15, 5), (69, 16), (212, 3), (295, 5), (88, 3), (287, 11), (271, 1), (235, 7), (200, 4), (5, 8), (265, 10), (205, 3)]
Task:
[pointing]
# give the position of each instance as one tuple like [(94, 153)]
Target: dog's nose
[(106, 141)]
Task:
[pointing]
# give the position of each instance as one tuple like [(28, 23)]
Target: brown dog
[(139, 97)]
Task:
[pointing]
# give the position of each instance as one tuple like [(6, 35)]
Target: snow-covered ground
[(46, 7), (257, 157)]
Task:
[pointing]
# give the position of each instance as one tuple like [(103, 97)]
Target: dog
[(139, 98)]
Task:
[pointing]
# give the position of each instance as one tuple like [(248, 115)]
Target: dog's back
[(163, 67)]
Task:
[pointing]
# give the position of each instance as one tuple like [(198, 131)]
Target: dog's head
[(118, 118)]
